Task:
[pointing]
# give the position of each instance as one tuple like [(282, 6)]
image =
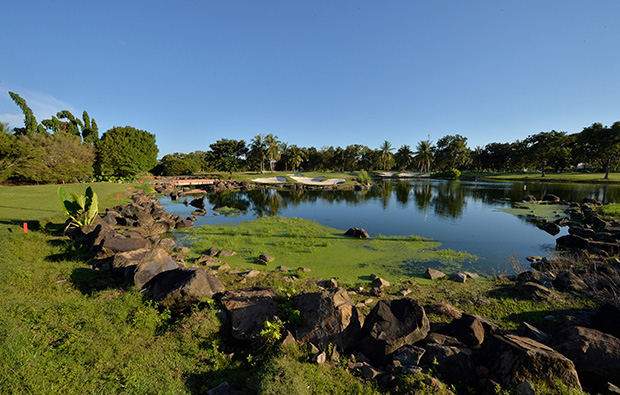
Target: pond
[(462, 215)]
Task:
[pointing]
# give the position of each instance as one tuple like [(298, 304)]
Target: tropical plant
[(82, 209), (30, 122), (386, 153), (423, 157), (296, 157), (363, 177), (258, 150), (273, 149), (403, 157)]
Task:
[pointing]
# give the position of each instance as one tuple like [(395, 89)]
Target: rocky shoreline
[(396, 337)]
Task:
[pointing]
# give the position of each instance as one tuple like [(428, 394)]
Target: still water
[(462, 215)]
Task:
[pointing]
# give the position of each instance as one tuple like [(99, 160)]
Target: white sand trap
[(271, 180), (317, 180)]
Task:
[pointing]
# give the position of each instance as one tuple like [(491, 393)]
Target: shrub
[(363, 178), (452, 174)]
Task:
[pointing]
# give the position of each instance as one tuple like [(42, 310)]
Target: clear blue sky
[(314, 72)]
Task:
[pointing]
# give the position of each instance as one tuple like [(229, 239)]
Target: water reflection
[(463, 215), (446, 199)]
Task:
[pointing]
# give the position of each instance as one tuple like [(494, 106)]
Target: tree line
[(68, 148), (595, 148)]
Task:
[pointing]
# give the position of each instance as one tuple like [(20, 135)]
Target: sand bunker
[(317, 180), (271, 180)]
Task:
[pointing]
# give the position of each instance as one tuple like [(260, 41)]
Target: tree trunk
[(607, 167)]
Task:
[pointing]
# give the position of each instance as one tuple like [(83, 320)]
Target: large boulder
[(248, 309), (433, 274), (607, 319), (470, 329), (512, 359), (198, 202), (596, 354), (156, 261), (118, 243), (181, 288), (453, 363), (360, 233), (328, 316), (569, 281), (571, 242), (392, 324)]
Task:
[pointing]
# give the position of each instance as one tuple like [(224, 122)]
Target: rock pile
[(126, 242)]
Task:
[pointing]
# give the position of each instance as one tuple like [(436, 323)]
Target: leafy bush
[(363, 178), (82, 209), (452, 173)]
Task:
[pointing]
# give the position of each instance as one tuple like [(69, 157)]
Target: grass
[(594, 178), (326, 251), (65, 328), (610, 210), (25, 203)]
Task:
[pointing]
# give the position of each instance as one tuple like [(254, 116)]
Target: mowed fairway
[(25, 203)]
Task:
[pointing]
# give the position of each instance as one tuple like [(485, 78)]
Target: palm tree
[(404, 157), (258, 149), (424, 155), (386, 153), (273, 149), (296, 158)]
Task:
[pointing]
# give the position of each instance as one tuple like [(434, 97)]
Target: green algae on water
[(295, 242)]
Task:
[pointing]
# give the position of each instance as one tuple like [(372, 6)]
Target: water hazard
[(462, 215)]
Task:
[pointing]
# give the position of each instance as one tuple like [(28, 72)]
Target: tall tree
[(452, 152), (31, 125), (125, 151), (423, 156), (600, 145), (403, 157), (258, 150), (90, 130), (296, 157), (273, 149), (53, 158), (227, 155), (545, 146), (386, 153)]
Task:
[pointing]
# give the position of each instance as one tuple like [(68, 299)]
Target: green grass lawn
[(25, 203), (66, 328), (572, 177)]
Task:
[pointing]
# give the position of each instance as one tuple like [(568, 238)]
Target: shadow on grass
[(88, 281)]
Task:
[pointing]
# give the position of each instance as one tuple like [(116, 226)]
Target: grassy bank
[(592, 178), (66, 328)]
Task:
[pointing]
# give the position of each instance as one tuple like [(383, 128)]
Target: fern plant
[(82, 209)]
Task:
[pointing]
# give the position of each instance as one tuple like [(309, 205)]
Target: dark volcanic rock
[(607, 319), (328, 316), (470, 329), (392, 324), (248, 310), (181, 288), (512, 359), (453, 363), (596, 354), (360, 233), (572, 242), (156, 261)]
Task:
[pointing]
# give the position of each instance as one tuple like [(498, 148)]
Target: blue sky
[(316, 73)]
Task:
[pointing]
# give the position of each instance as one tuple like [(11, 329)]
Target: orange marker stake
[(132, 189), (25, 227), (118, 197)]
